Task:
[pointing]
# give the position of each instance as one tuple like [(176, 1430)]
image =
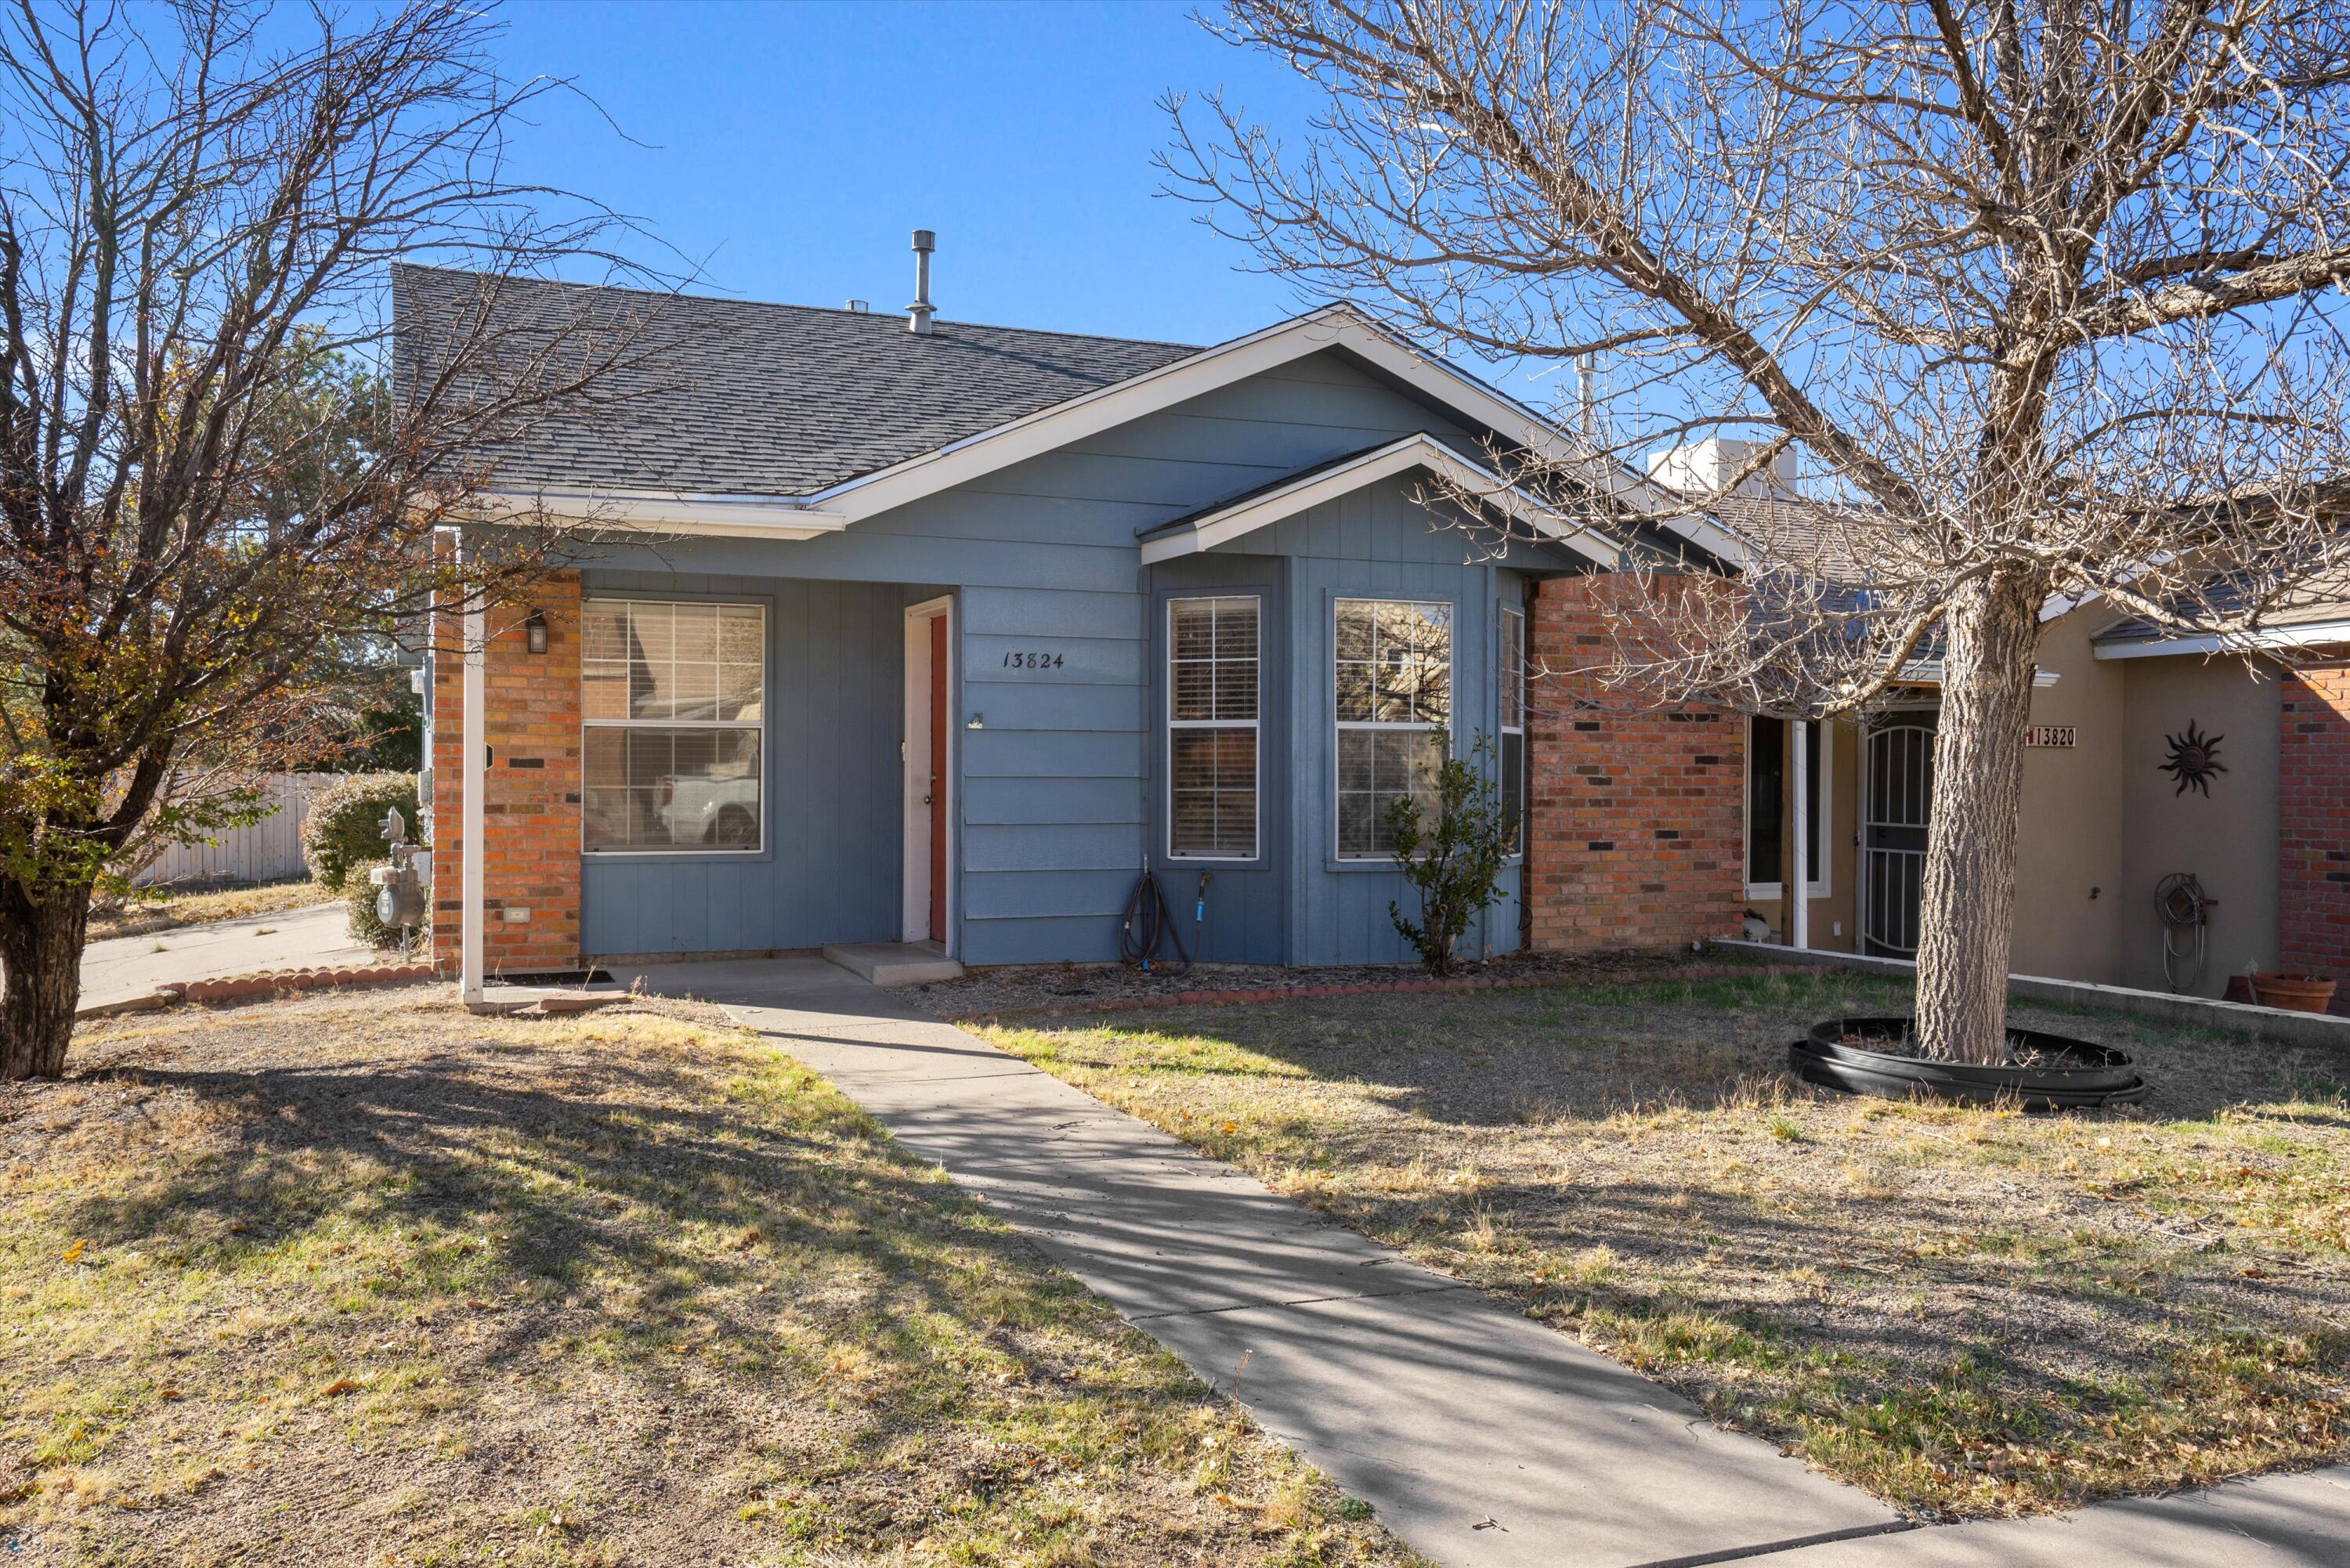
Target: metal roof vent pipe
[(918, 314)]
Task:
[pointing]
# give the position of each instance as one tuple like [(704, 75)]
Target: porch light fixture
[(976, 722), (534, 633)]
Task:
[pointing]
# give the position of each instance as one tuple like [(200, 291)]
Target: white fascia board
[(653, 512), (1409, 452), (1929, 672), (2314, 634)]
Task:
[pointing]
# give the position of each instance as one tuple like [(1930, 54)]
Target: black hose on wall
[(1149, 923)]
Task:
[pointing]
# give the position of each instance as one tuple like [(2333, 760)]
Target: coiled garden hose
[(1149, 923), (2183, 906)]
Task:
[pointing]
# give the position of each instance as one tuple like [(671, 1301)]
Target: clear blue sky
[(790, 149)]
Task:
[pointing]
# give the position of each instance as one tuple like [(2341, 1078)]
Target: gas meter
[(398, 888)]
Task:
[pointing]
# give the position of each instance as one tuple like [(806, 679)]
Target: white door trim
[(914, 919)]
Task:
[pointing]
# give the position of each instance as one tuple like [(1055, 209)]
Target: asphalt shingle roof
[(731, 397)]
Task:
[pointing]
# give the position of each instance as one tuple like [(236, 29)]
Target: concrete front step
[(894, 963)]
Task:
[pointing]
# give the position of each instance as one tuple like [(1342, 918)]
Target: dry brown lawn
[(366, 1279), (1966, 1311), (164, 909)]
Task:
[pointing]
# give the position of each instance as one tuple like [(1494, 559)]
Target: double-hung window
[(1211, 728), (1512, 674), (673, 708), (1392, 670)]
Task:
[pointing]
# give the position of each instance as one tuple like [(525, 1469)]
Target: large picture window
[(1392, 669), (1211, 728), (1512, 668), (673, 702)]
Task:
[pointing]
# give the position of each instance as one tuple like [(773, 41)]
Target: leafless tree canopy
[(2043, 296), (2045, 293), (206, 479)]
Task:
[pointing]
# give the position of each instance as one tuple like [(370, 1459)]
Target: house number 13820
[(1033, 661)]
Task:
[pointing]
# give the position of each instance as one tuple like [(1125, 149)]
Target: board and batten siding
[(1053, 785)]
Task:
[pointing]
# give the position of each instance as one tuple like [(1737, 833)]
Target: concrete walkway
[(123, 967), (1482, 1437)]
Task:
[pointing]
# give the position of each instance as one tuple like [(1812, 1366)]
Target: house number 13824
[(1033, 661)]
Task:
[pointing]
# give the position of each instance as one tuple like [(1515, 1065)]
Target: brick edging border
[(273, 982), (1383, 987)]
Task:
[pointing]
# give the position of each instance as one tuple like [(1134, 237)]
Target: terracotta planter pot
[(2300, 993)]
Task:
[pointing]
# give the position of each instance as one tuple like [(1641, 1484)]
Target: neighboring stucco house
[(2106, 815), (914, 630)]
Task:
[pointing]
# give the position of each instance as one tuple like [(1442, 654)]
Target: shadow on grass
[(1588, 1053), (594, 1197)]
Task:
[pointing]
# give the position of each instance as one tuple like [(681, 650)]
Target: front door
[(936, 796), (1899, 785)]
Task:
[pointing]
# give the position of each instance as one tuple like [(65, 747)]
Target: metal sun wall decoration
[(2194, 759)]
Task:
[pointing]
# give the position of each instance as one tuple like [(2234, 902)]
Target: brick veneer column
[(530, 811), (1635, 830), (2313, 821)]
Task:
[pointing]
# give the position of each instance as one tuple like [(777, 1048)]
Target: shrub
[(343, 829), (359, 899), (1455, 862)]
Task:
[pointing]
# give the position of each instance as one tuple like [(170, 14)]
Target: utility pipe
[(476, 768)]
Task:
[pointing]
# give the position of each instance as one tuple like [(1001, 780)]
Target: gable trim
[(1418, 451)]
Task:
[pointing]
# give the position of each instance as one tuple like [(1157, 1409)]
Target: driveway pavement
[(1483, 1439), (123, 967)]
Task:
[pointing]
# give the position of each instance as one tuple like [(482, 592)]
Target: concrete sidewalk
[(123, 967), (1482, 1437)]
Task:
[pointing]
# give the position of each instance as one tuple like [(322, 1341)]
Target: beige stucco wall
[(2229, 839), (2069, 878)]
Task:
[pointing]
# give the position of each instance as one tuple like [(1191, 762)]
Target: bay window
[(1211, 728), (674, 720), (1393, 675)]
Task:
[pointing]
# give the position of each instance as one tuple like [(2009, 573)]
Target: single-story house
[(904, 629)]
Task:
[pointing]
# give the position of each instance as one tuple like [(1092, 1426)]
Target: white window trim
[(1256, 823), (1514, 675), (766, 680), (1340, 726), (1822, 786)]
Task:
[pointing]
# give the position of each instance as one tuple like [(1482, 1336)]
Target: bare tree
[(204, 481), (2043, 296)]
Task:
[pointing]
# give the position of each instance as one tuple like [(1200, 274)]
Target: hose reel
[(2185, 911)]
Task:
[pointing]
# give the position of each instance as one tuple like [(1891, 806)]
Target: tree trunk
[(40, 976), (1967, 911)]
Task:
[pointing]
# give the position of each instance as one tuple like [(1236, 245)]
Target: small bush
[(359, 901), (1456, 861), (343, 832)]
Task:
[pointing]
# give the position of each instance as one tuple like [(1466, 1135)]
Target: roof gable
[(1268, 503)]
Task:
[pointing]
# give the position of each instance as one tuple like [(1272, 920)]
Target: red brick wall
[(2313, 821), (530, 877), (1635, 836)]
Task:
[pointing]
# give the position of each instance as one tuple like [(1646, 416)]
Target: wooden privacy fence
[(269, 850)]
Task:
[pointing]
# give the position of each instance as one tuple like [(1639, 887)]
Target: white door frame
[(914, 923)]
